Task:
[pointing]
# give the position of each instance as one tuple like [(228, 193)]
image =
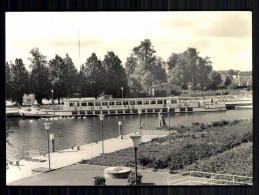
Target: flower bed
[(237, 161), (186, 147)]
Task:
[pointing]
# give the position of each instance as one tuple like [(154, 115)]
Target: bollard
[(17, 163), (159, 119), (120, 129), (52, 142), (78, 147)]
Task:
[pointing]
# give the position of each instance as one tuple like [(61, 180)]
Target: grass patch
[(236, 161), (176, 151)]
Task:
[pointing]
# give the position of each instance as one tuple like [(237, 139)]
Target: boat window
[(139, 102), (132, 103), (153, 102), (111, 103), (97, 104), (84, 104), (90, 103), (159, 102), (125, 102), (78, 104), (118, 103), (173, 101), (70, 104), (146, 102), (104, 103)]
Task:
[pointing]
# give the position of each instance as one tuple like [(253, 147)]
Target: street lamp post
[(122, 92), (135, 140), (101, 118), (140, 112), (168, 108), (52, 94), (47, 126)]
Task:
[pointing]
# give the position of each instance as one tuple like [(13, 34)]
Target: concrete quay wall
[(69, 157)]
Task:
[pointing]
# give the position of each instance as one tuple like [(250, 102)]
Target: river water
[(30, 134)]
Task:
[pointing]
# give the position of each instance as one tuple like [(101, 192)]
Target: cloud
[(229, 25)]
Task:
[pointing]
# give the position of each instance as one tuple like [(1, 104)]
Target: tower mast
[(79, 49)]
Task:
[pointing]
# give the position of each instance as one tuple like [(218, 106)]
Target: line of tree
[(143, 68), (95, 77)]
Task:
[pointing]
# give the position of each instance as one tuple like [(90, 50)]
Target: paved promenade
[(81, 175), (66, 158)]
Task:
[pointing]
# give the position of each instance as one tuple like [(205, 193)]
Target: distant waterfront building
[(28, 99), (164, 89), (241, 79), (244, 79)]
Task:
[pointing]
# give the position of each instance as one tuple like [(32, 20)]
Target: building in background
[(28, 99), (243, 79), (164, 89)]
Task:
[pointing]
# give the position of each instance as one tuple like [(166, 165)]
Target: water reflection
[(26, 135)]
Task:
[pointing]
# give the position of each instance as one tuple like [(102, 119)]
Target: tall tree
[(115, 75), (95, 75), (82, 82), (62, 76), (214, 80), (39, 78), (144, 67), (71, 75), (8, 89), (19, 81), (228, 80), (188, 68)]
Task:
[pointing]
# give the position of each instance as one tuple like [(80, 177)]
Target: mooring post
[(120, 129), (52, 142)]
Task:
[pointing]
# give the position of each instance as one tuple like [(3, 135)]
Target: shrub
[(99, 181), (145, 160), (130, 164), (132, 179), (203, 135), (160, 164), (154, 139), (234, 122), (215, 123), (196, 124), (202, 126)]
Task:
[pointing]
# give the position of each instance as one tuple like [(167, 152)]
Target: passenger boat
[(12, 112), (122, 106), (34, 112)]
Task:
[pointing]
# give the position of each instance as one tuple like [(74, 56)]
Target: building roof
[(164, 84)]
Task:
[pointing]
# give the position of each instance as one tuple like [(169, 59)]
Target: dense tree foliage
[(39, 78), (71, 75), (94, 76), (144, 68), (8, 89), (214, 80), (19, 81), (62, 76), (189, 69), (115, 75), (228, 80)]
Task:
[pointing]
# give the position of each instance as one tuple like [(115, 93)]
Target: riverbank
[(191, 143), (64, 158), (152, 155)]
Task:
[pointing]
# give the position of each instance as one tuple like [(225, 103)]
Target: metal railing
[(206, 178)]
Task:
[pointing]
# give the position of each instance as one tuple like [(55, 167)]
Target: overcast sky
[(226, 37)]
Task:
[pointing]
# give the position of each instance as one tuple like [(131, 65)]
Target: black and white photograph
[(131, 98)]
